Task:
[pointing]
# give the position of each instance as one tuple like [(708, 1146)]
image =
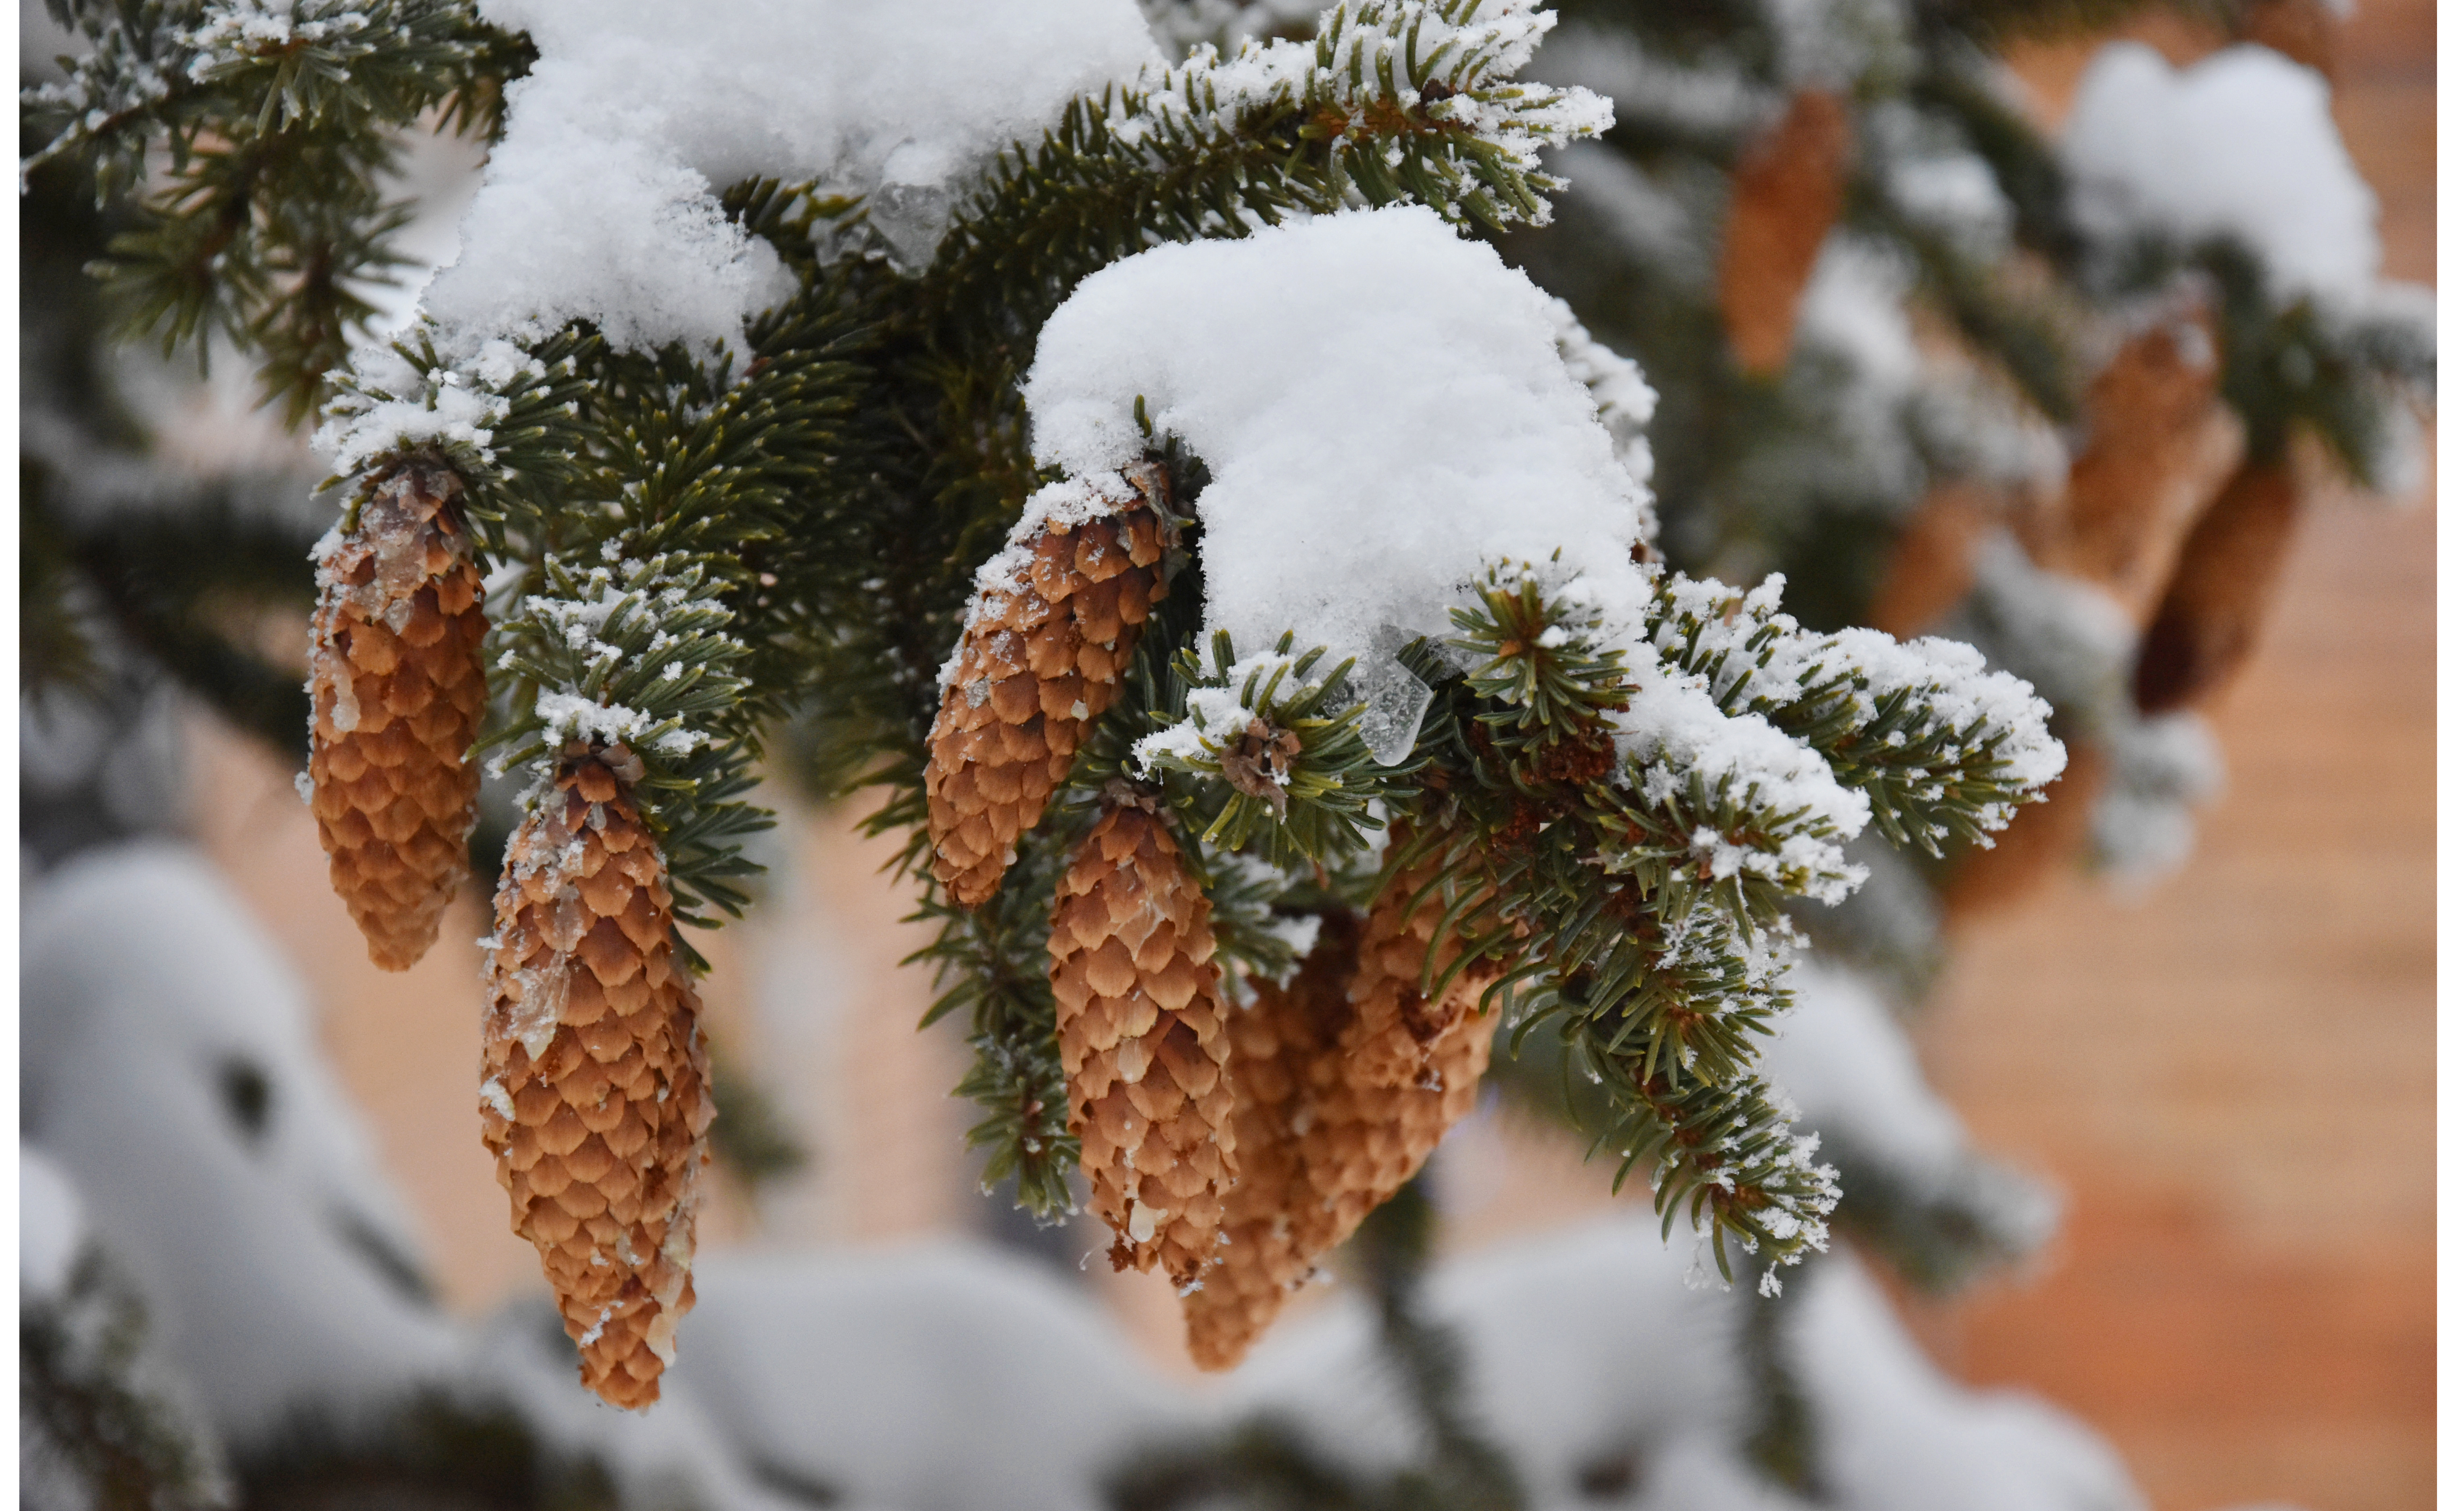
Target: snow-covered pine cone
[(1782, 204), (1045, 652), (397, 689), (2159, 445), (1281, 1066), (1141, 1019), (1394, 1028), (2227, 575), (596, 1096)]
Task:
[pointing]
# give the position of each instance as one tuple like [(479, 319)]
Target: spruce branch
[(990, 963), (268, 222), (1941, 748), (631, 655), (1275, 746), (1391, 99)]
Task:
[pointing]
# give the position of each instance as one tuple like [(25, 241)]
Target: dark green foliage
[(693, 547), (271, 222), (750, 1136), (1320, 810), (91, 1415), (185, 583), (991, 964), (1942, 1234), (1202, 163), (1782, 1436), (432, 1449)]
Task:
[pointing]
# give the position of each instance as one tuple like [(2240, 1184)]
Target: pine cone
[(596, 1099), (1045, 647), (2309, 32), (2159, 445), (2206, 627), (1782, 204), (1334, 1112), (1283, 1064), (1373, 1128), (1933, 564), (397, 686), (1143, 1044), (1394, 1029)]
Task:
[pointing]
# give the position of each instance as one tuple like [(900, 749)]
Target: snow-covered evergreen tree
[(1348, 543)]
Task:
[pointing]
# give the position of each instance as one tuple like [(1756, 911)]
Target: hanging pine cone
[(397, 689), (2209, 622), (1782, 204), (1934, 563), (2159, 444), (1283, 1065), (1374, 1130), (1044, 651), (2309, 32), (1334, 1114), (596, 1099), (1394, 1028), (1142, 1041)]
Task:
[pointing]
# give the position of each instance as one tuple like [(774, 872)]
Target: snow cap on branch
[(1383, 406), (601, 203), (2239, 144)]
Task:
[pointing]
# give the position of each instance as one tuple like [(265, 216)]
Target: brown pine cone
[(1045, 647), (2209, 622), (1933, 564), (1373, 1131), (1141, 1022), (397, 689), (2159, 444), (1783, 202), (596, 1096), (1283, 1064), (1394, 1028), (2309, 32), (1334, 1115)]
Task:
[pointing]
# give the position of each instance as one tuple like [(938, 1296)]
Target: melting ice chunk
[(1396, 699)]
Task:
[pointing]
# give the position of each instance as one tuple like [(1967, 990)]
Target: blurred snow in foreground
[(181, 1120)]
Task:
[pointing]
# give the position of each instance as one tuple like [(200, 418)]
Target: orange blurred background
[(2230, 1076)]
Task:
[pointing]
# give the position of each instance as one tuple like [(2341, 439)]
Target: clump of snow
[(922, 1376), (391, 404), (148, 992), (1896, 1434), (601, 202), (51, 1225), (2239, 144), (2163, 769), (1626, 403), (1855, 1076), (1383, 406), (1586, 1353)]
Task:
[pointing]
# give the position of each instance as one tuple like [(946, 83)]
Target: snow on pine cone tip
[(595, 1090), (396, 688)]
